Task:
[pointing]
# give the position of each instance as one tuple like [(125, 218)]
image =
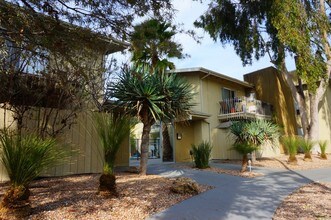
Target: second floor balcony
[(240, 108)]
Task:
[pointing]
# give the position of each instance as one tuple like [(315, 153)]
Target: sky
[(208, 54)]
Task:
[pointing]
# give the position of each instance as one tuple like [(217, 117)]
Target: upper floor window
[(23, 60), (227, 94), (34, 62)]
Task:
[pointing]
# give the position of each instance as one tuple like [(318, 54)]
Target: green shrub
[(323, 145), (201, 154), (291, 143)]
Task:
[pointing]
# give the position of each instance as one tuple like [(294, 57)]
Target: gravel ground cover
[(76, 197), (281, 162), (312, 201), (220, 170)]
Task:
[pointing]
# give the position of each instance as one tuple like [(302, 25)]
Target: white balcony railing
[(244, 107)]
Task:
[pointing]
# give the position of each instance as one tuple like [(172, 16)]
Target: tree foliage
[(47, 75), (250, 135), (114, 16), (276, 27), (254, 132), (151, 97), (152, 44), (296, 29)]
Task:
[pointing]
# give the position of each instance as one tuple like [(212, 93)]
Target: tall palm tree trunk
[(144, 148), (167, 148)]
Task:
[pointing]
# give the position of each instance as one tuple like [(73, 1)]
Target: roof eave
[(213, 73)]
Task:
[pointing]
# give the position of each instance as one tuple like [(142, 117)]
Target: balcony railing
[(244, 108)]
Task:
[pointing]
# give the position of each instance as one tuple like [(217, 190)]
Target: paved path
[(235, 197)]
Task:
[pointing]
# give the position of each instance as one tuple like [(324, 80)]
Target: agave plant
[(24, 158), (201, 154), (323, 145), (112, 131)]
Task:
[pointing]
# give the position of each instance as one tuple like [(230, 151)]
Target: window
[(227, 94), (22, 60), (34, 62)]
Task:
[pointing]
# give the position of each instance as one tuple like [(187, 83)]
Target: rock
[(184, 185), (133, 170)]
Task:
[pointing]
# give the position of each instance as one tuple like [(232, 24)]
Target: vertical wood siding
[(81, 139)]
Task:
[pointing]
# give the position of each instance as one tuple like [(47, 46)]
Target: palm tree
[(152, 46), (250, 135), (151, 97), (24, 158), (112, 130)]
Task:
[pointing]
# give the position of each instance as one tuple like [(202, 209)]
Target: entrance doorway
[(155, 149)]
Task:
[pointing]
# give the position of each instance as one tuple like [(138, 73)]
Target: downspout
[(209, 131), (161, 141), (173, 140)]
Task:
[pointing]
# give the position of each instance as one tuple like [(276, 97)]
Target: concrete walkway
[(236, 197)]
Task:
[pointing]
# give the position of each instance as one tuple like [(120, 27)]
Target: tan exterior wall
[(87, 155), (194, 80), (183, 146), (325, 119), (208, 94), (271, 87), (208, 90)]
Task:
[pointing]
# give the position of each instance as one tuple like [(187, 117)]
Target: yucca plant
[(291, 144), (307, 146), (112, 131), (250, 135), (151, 97), (323, 145), (201, 154), (24, 158)]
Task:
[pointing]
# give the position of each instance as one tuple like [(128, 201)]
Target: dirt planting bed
[(76, 197)]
